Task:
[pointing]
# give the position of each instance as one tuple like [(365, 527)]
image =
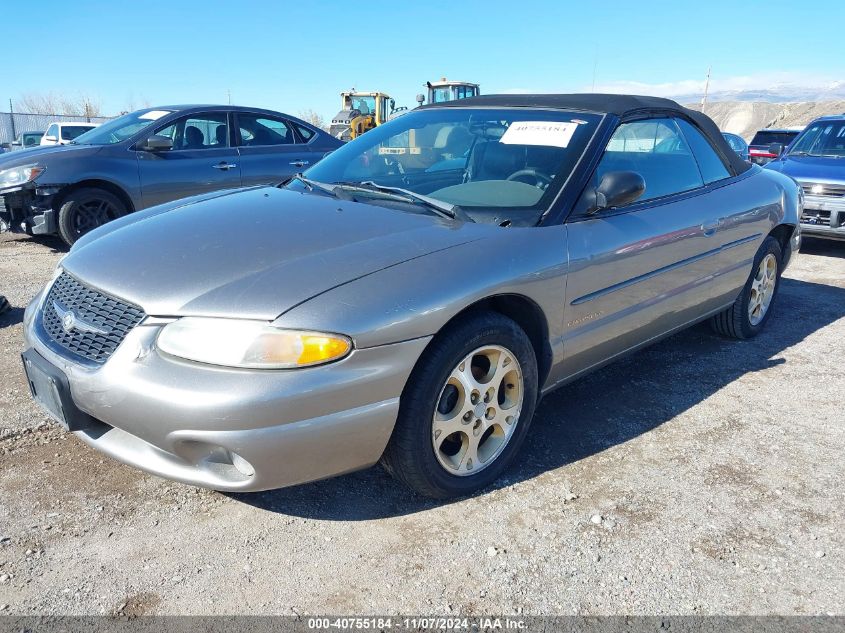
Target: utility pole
[(595, 65), (12, 119), (229, 95), (706, 89)]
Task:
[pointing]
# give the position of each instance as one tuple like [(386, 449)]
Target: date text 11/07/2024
[(417, 623)]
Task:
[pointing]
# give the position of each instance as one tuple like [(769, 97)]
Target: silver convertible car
[(410, 298)]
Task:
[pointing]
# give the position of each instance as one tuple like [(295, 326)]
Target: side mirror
[(157, 143), (51, 138), (776, 149), (617, 188)]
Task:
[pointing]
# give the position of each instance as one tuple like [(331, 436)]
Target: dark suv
[(150, 157), (816, 159), (760, 146)]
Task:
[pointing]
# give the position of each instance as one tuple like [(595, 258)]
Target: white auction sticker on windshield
[(153, 115), (549, 133)]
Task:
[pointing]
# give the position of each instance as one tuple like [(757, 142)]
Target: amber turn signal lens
[(318, 349)]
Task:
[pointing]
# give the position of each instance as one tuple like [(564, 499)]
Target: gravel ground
[(701, 476)]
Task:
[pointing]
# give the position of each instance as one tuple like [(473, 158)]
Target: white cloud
[(789, 82)]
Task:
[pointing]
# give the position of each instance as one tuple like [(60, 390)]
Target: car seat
[(221, 134), (194, 138), (493, 160)]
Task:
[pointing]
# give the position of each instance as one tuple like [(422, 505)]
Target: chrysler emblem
[(71, 321)]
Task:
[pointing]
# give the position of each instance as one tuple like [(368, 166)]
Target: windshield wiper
[(311, 185), (438, 206)]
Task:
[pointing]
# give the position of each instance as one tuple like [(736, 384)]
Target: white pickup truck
[(63, 133)]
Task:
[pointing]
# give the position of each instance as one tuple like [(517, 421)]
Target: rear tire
[(749, 313), (465, 409), (85, 209)]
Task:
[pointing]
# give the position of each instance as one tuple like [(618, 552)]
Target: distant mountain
[(746, 117), (779, 93)]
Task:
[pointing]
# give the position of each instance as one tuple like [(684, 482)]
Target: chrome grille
[(103, 321), (827, 189), (816, 217)]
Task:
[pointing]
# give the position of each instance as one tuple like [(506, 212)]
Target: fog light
[(243, 466)]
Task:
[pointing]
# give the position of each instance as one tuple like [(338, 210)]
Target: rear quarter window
[(709, 163), (305, 133)]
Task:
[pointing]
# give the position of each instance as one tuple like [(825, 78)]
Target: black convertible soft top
[(620, 105)]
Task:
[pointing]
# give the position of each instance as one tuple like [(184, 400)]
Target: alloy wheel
[(478, 410), (90, 214), (762, 289)]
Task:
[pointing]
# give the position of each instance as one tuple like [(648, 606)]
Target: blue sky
[(291, 56)]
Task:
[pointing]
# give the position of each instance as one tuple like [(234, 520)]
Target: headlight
[(19, 175), (251, 344)]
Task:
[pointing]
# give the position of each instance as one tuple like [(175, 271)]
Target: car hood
[(810, 167), (253, 254), (45, 154)]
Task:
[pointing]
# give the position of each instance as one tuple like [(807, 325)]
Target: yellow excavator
[(361, 111)]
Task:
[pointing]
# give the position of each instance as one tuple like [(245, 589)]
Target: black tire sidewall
[(770, 246), (426, 383), (68, 206)]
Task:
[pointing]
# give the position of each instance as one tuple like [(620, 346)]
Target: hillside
[(745, 118)]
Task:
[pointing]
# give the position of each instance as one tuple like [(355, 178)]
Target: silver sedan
[(410, 298)]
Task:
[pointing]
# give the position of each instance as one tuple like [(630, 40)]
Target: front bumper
[(28, 210), (232, 429), (823, 216)]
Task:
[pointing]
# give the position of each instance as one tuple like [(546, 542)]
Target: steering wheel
[(540, 180)]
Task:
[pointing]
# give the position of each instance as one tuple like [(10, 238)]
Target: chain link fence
[(13, 123)]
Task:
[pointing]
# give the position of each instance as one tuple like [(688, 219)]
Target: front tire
[(749, 313), (466, 408), (85, 209)]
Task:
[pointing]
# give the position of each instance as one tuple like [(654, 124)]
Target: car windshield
[(767, 137), (496, 165), (822, 138), (121, 128)]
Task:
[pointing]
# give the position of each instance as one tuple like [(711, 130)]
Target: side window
[(304, 132), (198, 131), (258, 129), (655, 149), (711, 165), (53, 131)]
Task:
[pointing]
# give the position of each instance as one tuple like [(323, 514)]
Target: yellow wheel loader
[(361, 111)]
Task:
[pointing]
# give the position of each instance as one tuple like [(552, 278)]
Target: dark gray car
[(410, 298), (149, 157)]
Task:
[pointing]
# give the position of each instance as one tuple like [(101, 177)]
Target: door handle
[(299, 163), (709, 228), (224, 165)]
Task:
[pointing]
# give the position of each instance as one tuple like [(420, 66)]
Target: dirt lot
[(700, 476)]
